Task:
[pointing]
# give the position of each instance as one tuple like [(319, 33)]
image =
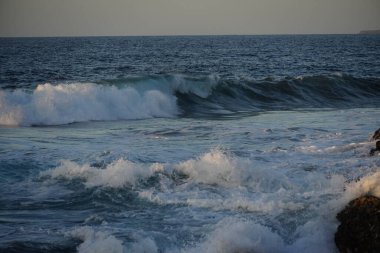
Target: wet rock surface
[(376, 135), (359, 230)]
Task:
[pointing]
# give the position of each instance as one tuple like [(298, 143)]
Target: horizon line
[(178, 35)]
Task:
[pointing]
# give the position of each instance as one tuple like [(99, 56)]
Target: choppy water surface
[(184, 144)]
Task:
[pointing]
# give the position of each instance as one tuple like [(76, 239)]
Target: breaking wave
[(178, 95), (62, 104)]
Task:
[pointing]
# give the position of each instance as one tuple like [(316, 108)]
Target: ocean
[(185, 143)]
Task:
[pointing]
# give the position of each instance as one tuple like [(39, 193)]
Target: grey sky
[(173, 17)]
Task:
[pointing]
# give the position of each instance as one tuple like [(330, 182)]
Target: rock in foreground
[(359, 230)]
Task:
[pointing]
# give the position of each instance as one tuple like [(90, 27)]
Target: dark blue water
[(184, 144), (30, 61)]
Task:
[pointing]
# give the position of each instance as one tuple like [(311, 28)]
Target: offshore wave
[(239, 96), (179, 95)]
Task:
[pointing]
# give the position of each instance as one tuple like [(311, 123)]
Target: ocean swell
[(231, 96)]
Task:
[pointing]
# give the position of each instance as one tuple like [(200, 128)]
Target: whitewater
[(185, 144)]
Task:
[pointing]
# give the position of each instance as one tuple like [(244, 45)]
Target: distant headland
[(370, 32)]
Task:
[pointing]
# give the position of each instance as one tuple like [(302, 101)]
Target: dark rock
[(359, 231), (375, 150), (376, 135)]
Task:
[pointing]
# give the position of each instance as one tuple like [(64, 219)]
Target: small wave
[(118, 174), (219, 168)]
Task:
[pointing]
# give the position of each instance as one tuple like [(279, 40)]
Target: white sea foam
[(362, 147), (214, 167), (220, 168), (231, 236), (315, 236), (367, 185), (96, 241), (221, 181), (143, 245), (117, 174), (103, 242), (78, 102)]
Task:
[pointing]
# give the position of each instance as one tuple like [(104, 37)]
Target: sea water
[(184, 144)]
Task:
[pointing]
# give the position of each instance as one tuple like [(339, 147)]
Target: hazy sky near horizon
[(185, 17)]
